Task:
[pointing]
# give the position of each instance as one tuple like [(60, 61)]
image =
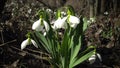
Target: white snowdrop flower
[(92, 59), (92, 19), (63, 13), (28, 42), (88, 21), (73, 21), (60, 23), (54, 12), (106, 13), (29, 11), (48, 10), (39, 25)]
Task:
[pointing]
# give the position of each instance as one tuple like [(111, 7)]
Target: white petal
[(60, 23), (63, 24), (106, 13), (25, 43), (34, 43), (92, 59), (44, 33), (99, 56), (73, 25), (46, 25), (73, 21), (63, 13), (37, 26), (92, 19), (56, 23)]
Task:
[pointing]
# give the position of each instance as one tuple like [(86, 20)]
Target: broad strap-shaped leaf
[(74, 52), (43, 41), (83, 58), (64, 44)]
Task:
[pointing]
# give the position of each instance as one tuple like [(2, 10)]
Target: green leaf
[(64, 45), (74, 51), (70, 10), (83, 58), (37, 40), (63, 62), (43, 41), (85, 24)]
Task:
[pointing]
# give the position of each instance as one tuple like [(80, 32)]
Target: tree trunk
[(91, 3), (102, 6), (115, 5), (96, 7)]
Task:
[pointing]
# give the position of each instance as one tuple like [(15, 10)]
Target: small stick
[(8, 42), (36, 56), (2, 37)]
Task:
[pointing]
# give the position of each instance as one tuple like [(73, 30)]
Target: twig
[(8, 42), (38, 52), (2, 37), (36, 56), (44, 4)]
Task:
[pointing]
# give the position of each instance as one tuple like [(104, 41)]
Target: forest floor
[(15, 22)]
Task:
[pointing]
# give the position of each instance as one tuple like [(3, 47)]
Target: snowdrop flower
[(48, 10), (92, 20), (60, 23), (88, 21), (40, 24), (63, 13), (28, 42), (92, 59), (106, 13), (73, 21)]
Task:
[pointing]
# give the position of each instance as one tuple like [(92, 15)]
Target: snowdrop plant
[(65, 52)]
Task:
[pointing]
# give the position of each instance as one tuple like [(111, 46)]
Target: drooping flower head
[(72, 19), (41, 23), (28, 41), (93, 58), (60, 22)]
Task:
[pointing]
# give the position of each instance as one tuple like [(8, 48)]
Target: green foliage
[(107, 34), (70, 10)]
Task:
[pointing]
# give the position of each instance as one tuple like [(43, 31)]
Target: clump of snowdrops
[(62, 40)]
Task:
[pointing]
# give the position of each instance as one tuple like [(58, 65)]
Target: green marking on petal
[(29, 40), (68, 19), (42, 22)]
